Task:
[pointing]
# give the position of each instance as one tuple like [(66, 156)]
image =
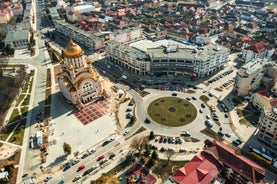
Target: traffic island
[(172, 111)]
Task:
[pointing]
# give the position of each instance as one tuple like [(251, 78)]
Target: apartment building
[(249, 76), (165, 57), (126, 35), (89, 40), (267, 125)]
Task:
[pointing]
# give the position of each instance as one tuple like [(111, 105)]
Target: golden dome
[(73, 50), (71, 67)]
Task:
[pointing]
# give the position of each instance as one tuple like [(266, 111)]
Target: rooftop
[(252, 67), (234, 160), (17, 35), (202, 169)]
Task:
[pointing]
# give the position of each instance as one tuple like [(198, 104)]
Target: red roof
[(259, 47), (202, 169), (272, 101), (234, 160)]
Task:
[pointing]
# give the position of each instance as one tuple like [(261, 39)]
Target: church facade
[(79, 82)]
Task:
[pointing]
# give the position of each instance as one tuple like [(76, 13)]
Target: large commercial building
[(249, 76), (18, 39), (267, 126), (79, 83), (165, 57)]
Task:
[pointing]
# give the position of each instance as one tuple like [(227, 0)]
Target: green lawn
[(209, 132), (31, 85), (15, 115), (164, 169), (204, 98), (26, 100), (24, 111), (9, 129), (172, 111), (21, 97), (17, 137)]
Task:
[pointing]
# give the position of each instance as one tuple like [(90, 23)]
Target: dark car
[(66, 167), (105, 143), (203, 105), (112, 156), (85, 155), (174, 94), (87, 172), (147, 120), (193, 98), (221, 134)]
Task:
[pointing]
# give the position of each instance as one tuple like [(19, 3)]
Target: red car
[(81, 167), (100, 157)]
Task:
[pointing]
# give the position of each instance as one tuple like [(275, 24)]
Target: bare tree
[(138, 144), (169, 153)]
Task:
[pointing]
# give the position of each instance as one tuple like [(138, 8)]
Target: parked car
[(200, 111), (221, 134), (174, 94), (100, 157), (112, 156), (105, 143), (147, 121), (48, 178), (85, 155), (66, 167), (92, 151), (186, 133), (193, 98), (94, 167), (203, 105), (81, 167), (76, 178), (125, 132), (228, 134)]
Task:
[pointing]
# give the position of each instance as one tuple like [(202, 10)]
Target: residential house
[(5, 15), (252, 50), (17, 9)]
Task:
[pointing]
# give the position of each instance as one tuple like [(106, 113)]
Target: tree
[(66, 148), (151, 135), (169, 153), (154, 155), (147, 150), (150, 163), (138, 144), (9, 168)]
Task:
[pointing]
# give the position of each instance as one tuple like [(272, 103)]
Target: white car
[(48, 178), (94, 167), (208, 116), (182, 150), (228, 134), (125, 132), (92, 151)]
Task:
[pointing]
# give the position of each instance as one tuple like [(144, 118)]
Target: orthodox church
[(79, 83)]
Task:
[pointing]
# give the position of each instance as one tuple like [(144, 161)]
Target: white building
[(165, 57), (253, 50), (18, 39), (79, 82), (249, 76), (267, 125)]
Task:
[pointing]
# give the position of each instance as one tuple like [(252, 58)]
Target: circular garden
[(172, 111)]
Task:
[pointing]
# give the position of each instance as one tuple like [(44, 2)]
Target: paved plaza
[(94, 111), (65, 127)]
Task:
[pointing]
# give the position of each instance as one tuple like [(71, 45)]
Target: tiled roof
[(202, 169), (259, 47), (240, 164)]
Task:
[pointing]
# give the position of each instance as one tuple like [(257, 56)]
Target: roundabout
[(172, 111)]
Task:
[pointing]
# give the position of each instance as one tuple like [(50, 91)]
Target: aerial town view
[(138, 91)]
